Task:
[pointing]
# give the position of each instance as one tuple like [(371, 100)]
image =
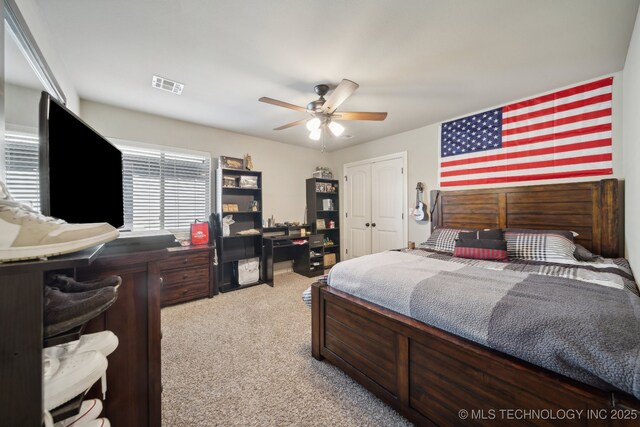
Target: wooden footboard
[(435, 378)]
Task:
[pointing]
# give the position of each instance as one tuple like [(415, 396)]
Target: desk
[(278, 248)]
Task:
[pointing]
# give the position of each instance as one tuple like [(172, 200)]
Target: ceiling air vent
[(166, 84)]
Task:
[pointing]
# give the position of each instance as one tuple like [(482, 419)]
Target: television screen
[(80, 171)]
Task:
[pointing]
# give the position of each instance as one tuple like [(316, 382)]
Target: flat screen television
[(80, 171)]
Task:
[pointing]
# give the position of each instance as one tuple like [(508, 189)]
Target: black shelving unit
[(317, 210), (236, 247), (315, 265)]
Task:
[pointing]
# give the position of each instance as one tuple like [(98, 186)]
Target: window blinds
[(22, 169), (164, 190)]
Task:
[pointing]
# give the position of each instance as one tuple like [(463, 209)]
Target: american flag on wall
[(560, 135)]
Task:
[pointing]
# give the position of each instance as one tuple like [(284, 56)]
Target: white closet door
[(387, 223), (358, 198)]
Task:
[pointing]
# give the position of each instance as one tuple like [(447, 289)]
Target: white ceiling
[(423, 61)]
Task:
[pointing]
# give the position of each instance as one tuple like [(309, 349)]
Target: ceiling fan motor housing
[(315, 106), (321, 90)]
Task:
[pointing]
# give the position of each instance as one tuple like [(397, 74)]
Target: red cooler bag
[(199, 233)]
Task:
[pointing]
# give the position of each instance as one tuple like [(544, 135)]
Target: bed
[(435, 377)]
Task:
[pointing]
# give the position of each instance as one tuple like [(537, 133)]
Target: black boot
[(64, 311), (69, 284)]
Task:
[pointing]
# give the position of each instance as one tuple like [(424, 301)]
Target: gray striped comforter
[(581, 320)]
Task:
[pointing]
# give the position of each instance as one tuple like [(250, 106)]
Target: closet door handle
[(373, 225), (367, 224)]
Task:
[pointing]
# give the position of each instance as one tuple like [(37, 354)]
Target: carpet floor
[(244, 359)]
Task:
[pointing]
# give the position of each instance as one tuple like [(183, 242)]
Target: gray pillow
[(495, 234), (442, 239), (583, 254), (540, 245)]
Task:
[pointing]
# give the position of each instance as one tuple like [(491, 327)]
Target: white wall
[(42, 35), (422, 151), (285, 167), (422, 165), (631, 163), (21, 106)]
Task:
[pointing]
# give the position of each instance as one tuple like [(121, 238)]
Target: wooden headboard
[(592, 209)]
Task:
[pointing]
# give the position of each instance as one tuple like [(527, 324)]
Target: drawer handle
[(184, 276), (185, 261)]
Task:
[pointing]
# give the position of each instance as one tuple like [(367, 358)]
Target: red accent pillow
[(487, 249)]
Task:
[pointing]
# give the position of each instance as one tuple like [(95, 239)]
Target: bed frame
[(429, 375)]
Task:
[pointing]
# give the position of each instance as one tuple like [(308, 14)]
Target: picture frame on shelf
[(248, 181), (232, 163), (229, 181), (320, 225)]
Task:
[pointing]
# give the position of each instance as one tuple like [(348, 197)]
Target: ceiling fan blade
[(282, 104), (344, 90), (346, 115), (292, 124)]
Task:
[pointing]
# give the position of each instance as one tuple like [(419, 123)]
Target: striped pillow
[(540, 245), (443, 239), (489, 249)]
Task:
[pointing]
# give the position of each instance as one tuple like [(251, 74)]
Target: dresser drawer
[(186, 260), (185, 292), (178, 277)]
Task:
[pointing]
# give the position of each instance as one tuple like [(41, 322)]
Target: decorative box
[(329, 260), (322, 174)]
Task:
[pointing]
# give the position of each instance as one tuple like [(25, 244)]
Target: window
[(163, 189), (22, 169)]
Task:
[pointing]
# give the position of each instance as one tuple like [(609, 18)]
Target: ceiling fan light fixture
[(313, 124), (316, 134), (336, 128)]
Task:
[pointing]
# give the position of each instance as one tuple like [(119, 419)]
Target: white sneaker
[(89, 411), (27, 234), (103, 342), (67, 377)]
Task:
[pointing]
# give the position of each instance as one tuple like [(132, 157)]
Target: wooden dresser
[(188, 274), (134, 375)]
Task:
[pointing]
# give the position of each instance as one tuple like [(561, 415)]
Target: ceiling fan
[(323, 111)]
